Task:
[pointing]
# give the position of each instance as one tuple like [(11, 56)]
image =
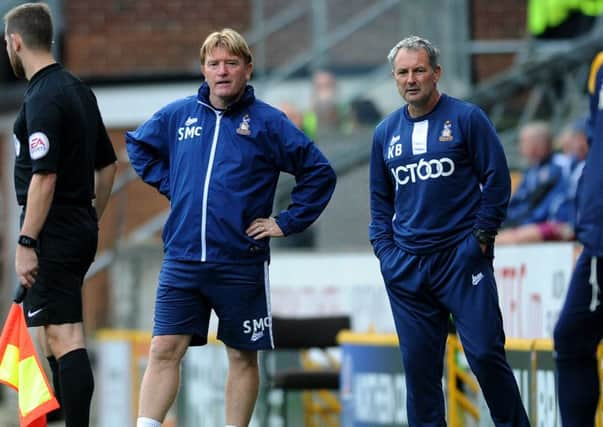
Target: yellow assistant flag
[(20, 369)]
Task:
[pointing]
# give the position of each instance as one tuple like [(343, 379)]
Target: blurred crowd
[(327, 114), (542, 207)]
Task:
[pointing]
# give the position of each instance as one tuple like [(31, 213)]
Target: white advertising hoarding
[(532, 283)]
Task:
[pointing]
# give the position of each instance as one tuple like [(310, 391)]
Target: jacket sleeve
[(148, 150), (490, 163), (382, 194), (315, 179)]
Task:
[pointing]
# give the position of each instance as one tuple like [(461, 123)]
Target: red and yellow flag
[(20, 369)]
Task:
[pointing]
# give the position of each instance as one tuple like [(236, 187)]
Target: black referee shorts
[(66, 248)]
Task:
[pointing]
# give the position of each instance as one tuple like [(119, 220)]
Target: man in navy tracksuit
[(217, 156), (439, 185), (580, 326)]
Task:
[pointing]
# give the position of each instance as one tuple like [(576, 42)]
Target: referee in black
[(64, 170)]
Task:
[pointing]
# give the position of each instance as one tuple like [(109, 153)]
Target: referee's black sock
[(57, 414), (77, 385)]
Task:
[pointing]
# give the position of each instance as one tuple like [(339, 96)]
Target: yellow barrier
[(456, 397), (321, 408)]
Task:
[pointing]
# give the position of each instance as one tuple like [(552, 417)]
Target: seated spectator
[(542, 180), (575, 148), (559, 225)]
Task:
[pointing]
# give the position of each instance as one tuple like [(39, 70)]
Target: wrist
[(27, 242)]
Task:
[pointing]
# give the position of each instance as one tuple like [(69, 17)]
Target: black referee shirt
[(59, 129)]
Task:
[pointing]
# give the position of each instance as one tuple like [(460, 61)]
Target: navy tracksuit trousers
[(577, 334), (423, 290)]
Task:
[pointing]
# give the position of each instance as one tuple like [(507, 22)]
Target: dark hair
[(33, 22)]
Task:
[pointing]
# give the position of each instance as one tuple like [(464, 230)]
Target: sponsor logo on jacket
[(422, 171)]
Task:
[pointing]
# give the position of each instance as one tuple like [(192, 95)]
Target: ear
[(437, 73), (15, 41), (248, 70)]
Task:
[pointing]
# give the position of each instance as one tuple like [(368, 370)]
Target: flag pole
[(20, 294)]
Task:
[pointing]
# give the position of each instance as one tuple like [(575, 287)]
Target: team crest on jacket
[(244, 128), (446, 134)]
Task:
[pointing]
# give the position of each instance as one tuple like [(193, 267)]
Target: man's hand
[(26, 265), (264, 227)]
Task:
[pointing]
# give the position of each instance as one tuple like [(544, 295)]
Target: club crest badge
[(244, 128), (446, 134)]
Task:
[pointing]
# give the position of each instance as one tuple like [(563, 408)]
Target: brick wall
[(491, 20), (114, 37), (127, 37)]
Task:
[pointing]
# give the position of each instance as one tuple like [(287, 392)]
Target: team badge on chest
[(244, 127), (446, 134)]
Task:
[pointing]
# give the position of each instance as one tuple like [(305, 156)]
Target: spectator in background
[(542, 181), (560, 221), (561, 19), (362, 114), (293, 113), (579, 328), (575, 149), (307, 238), (325, 114)]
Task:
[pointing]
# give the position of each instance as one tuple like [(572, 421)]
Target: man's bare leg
[(162, 376), (242, 386)]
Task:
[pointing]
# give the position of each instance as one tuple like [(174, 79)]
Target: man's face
[(226, 74), (15, 61), (415, 79)]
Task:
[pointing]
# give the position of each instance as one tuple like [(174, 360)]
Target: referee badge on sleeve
[(39, 145)]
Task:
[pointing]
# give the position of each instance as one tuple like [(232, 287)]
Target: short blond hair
[(228, 39)]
